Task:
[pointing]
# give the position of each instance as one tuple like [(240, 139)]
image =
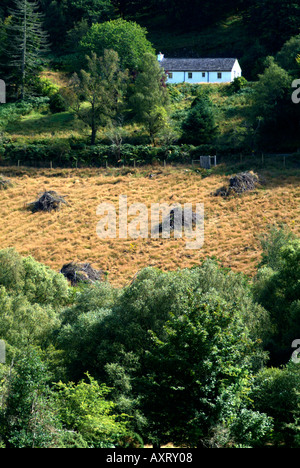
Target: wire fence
[(279, 160)]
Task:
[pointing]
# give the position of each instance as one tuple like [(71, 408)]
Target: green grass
[(37, 124), (231, 113)]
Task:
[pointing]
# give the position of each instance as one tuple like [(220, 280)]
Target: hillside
[(232, 226), (227, 38)]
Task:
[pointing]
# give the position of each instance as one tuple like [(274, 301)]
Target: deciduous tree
[(97, 94)]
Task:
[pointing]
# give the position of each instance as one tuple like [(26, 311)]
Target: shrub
[(57, 103), (238, 84)]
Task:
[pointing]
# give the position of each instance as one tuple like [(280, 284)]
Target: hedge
[(70, 154)]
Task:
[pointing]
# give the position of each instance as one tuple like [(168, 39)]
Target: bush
[(38, 283), (275, 393), (238, 83), (45, 87), (68, 153), (57, 103)]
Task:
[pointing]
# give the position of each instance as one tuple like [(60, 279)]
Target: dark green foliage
[(149, 98), (275, 393), (277, 289), (98, 155), (24, 415), (57, 103), (181, 353), (272, 22), (123, 336), (97, 94), (287, 56), (37, 282), (30, 298), (94, 11), (238, 84), (27, 43), (13, 112), (199, 127), (272, 242), (273, 106), (196, 368)]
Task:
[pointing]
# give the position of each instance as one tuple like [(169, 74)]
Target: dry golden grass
[(61, 79), (232, 226)]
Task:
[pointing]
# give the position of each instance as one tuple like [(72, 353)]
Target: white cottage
[(200, 70)]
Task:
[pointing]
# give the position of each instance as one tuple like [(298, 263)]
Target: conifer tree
[(28, 41)]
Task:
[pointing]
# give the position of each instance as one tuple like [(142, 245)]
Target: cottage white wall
[(226, 77), (196, 77), (210, 77), (236, 71), (178, 77)]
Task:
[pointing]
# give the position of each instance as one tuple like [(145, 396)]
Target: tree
[(201, 366), (85, 408), (127, 38), (97, 95), (276, 287), (38, 283), (200, 127), (114, 333), (95, 11), (275, 393), (273, 22), (287, 56), (26, 419), (149, 99), (31, 296), (272, 103), (28, 42)]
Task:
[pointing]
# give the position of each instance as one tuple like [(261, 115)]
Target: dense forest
[(200, 357)]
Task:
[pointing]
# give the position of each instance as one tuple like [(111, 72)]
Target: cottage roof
[(198, 64)]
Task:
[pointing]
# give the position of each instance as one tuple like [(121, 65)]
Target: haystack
[(47, 201), (187, 219), (4, 183), (238, 184), (81, 273)]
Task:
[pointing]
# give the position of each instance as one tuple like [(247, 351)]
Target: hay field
[(232, 226)]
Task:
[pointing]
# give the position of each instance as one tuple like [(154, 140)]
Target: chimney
[(160, 57)]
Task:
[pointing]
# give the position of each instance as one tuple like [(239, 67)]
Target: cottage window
[(190, 75), (219, 76), (203, 75), (170, 75)]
